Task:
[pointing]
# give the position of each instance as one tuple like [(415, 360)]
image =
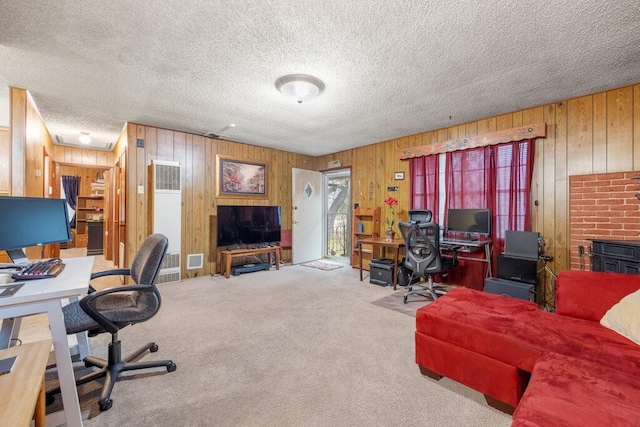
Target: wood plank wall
[(197, 156), (87, 175), (76, 156), (590, 134), (5, 163)]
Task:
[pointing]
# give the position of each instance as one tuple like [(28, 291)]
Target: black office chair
[(420, 215), (422, 240), (113, 309)]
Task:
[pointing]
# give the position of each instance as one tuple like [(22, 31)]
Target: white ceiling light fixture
[(300, 87), (84, 138)]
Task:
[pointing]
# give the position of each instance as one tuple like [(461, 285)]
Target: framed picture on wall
[(240, 178)]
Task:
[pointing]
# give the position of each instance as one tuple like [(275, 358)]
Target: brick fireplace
[(602, 206)]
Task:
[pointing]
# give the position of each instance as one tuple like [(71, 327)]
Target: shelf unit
[(366, 224), (88, 209)]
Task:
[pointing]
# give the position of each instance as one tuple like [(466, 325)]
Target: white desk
[(44, 296)]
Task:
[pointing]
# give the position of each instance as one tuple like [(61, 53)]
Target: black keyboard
[(40, 270)]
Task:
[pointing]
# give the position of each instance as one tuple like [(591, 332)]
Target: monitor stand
[(18, 256)]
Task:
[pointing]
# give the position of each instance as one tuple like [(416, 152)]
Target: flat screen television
[(469, 221), (32, 221), (248, 225)]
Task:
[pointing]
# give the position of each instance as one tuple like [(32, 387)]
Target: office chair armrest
[(108, 325), (114, 272)]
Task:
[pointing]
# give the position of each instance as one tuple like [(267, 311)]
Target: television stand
[(228, 255)]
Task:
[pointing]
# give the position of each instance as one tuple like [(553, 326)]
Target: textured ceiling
[(391, 68)]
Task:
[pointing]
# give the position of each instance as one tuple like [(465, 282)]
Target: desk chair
[(113, 309), (422, 240)]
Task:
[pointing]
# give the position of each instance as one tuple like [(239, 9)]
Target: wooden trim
[(537, 130)]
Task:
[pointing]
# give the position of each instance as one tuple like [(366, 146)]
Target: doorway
[(337, 213)]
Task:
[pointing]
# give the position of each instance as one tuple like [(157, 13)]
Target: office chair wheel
[(171, 367), (404, 299), (106, 405), (153, 348)]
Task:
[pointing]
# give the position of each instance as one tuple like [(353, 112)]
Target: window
[(497, 177)]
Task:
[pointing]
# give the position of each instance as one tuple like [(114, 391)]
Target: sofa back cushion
[(589, 294)]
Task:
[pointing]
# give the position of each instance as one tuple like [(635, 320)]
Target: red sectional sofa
[(561, 368)]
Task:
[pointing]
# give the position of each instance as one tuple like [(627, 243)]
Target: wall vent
[(195, 261), (166, 205), (168, 277)]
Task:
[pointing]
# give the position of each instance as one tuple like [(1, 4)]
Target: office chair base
[(110, 369), (426, 289)]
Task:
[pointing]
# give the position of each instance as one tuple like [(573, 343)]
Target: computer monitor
[(521, 244), (469, 221), (32, 221)]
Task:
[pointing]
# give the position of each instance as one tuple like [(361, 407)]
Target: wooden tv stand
[(228, 255)]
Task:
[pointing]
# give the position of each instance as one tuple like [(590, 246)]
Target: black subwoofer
[(510, 288), (518, 269)]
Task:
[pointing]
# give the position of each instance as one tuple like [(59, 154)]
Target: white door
[(306, 232)]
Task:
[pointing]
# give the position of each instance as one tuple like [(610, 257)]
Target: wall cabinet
[(613, 256), (365, 225)]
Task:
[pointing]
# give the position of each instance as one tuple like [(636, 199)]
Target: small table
[(381, 241), (22, 389), (228, 255)]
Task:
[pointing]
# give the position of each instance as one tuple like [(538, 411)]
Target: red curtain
[(424, 185), (497, 177)]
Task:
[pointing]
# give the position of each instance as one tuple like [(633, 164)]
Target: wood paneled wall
[(30, 141), (5, 162), (596, 133), (591, 134), (29, 156), (87, 174), (197, 156), (81, 156)]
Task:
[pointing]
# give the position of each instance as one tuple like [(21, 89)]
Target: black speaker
[(510, 288), (518, 269)]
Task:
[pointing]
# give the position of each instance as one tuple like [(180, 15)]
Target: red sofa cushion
[(588, 295), (565, 391), (517, 332)]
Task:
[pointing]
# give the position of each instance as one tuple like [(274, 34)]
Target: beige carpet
[(294, 347)]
